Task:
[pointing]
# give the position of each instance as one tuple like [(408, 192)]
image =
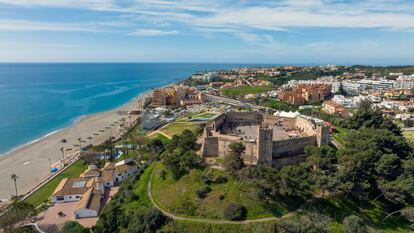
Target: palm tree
[(62, 149), (80, 145), (14, 177)]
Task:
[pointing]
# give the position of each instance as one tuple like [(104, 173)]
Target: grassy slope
[(372, 212), (244, 90), (140, 190), (340, 134), (178, 128), (171, 195), (195, 227), (46, 191), (162, 137)]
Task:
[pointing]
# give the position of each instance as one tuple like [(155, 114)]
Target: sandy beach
[(31, 162)]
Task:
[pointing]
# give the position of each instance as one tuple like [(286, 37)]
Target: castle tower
[(265, 145), (322, 135)]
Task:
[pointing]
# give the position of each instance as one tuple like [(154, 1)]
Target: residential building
[(332, 107), (177, 96)]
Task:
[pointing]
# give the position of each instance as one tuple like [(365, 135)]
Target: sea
[(39, 99)]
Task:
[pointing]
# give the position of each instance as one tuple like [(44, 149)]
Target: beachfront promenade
[(31, 163)]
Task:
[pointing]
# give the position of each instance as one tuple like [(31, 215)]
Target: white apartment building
[(353, 88), (405, 81)]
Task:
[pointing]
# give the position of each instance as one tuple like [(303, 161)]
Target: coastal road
[(215, 98)]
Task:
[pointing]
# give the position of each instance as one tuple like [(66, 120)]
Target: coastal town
[(275, 118)]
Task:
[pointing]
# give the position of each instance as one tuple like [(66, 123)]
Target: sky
[(376, 32)]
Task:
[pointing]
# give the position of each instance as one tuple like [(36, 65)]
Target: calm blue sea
[(37, 99)]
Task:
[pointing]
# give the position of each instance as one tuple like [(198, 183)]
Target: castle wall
[(250, 156), (292, 147), (217, 122), (244, 117), (303, 124), (210, 147), (293, 160), (322, 134), (287, 122)]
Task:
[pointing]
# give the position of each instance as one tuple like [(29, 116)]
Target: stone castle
[(271, 140)]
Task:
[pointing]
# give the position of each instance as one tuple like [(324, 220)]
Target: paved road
[(214, 98), (206, 220)]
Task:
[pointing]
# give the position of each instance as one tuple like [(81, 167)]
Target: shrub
[(187, 207), (235, 212), (73, 227), (220, 180), (288, 225), (354, 224), (205, 179), (149, 221), (202, 192), (163, 174)]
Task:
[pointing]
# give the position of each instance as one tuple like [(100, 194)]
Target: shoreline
[(73, 124), (30, 161)]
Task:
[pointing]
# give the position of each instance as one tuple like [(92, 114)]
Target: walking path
[(205, 220)]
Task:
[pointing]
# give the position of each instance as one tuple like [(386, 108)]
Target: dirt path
[(209, 221)]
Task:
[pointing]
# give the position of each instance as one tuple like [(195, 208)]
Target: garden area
[(207, 193), (244, 90), (43, 194), (176, 128)]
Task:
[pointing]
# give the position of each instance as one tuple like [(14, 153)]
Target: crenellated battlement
[(266, 137)]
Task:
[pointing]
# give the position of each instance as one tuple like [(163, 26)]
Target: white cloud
[(24, 25), (152, 32)]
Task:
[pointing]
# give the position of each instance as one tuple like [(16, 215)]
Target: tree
[(371, 156), (235, 212), (111, 220), (388, 166), (18, 212), (233, 161), (354, 224), (366, 117), (293, 181), (146, 222), (73, 227), (155, 146)]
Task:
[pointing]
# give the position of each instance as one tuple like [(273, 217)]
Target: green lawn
[(160, 136), (340, 134), (178, 127), (203, 114), (44, 193), (175, 196), (244, 90)]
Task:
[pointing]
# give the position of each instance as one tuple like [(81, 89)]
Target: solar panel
[(79, 184)]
